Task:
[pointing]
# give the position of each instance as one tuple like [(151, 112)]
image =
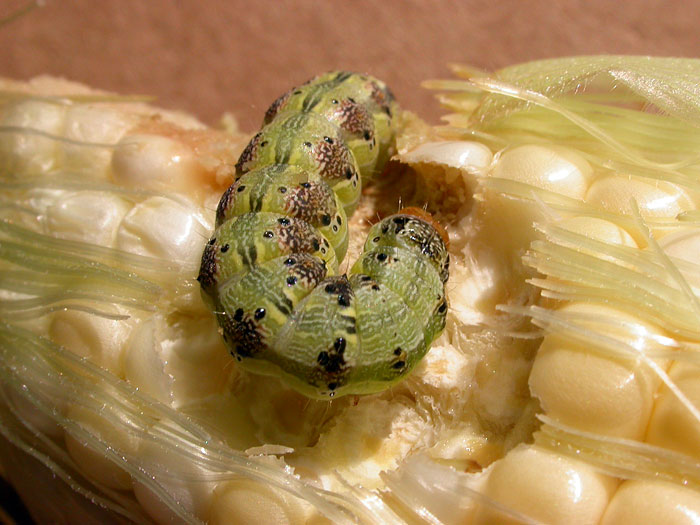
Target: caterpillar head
[(417, 230)]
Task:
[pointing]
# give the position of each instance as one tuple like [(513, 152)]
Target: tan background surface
[(209, 57)]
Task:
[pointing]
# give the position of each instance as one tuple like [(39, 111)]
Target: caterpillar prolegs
[(269, 271)]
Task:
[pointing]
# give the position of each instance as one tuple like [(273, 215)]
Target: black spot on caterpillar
[(281, 231)]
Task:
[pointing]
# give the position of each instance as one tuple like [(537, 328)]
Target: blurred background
[(210, 57)]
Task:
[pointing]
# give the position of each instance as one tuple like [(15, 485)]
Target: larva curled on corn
[(282, 232), (563, 388)]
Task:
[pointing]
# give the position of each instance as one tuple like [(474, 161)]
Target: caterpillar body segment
[(291, 191), (311, 142), (269, 270), (360, 106)]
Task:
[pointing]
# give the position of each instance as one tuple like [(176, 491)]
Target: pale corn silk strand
[(665, 84)]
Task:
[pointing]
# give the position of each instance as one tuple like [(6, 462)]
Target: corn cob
[(563, 390)]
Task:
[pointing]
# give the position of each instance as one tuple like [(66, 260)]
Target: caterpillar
[(269, 270)]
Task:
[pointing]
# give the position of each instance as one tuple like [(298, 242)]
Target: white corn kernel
[(551, 168), (154, 162), (227, 418), (652, 501), (684, 244), (86, 216), (27, 151), (38, 420), (246, 501), (186, 482), (144, 366), (177, 362), (546, 487), (99, 129), (100, 340), (672, 425), (598, 229), (583, 387), (95, 464), (38, 386), (505, 225), (160, 227), (461, 154), (654, 199)]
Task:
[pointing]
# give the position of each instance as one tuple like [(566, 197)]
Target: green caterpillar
[(269, 270)]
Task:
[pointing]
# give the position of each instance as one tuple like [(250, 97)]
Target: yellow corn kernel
[(581, 386), (652, 502), (541, 486)]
